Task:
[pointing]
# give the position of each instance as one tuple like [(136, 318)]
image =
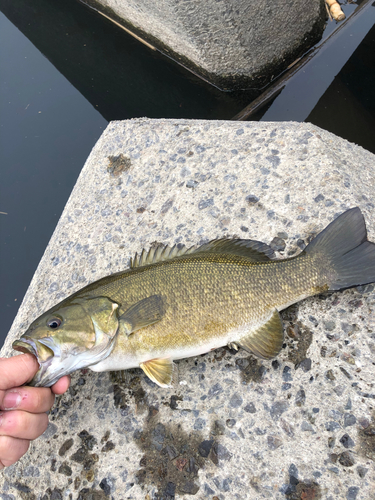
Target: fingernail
[(12, 400)]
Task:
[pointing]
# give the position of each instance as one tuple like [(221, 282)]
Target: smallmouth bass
[(174, 303)]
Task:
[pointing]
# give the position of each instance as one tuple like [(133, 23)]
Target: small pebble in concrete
[(352, 493), (235, 401), (305, 426), (215, 391), (362, 471), (332, 426), (65, 447), (305, 364), (274, 442), (349, 420), (250, 408), (346, 459), (278, 244), (251, 198), (65, 469), (278, 408), (331, 442), (347, 441), (300, 398), (287, 375), (205, 448)]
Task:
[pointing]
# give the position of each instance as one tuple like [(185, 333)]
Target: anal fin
[(267, 341), (161, 371)]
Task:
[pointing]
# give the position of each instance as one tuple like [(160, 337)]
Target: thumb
[(16, 371)]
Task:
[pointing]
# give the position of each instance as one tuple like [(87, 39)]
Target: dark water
[(66, 71), (336, 90), (347, 107)]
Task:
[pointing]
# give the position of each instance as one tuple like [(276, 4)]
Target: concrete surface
[(233, 44), (300, 426)]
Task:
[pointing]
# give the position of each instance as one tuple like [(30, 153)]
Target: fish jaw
[(45, 351), (54, 362)]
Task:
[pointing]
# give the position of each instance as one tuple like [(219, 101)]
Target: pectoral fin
[(160, 371), (143, 313), (267, 341)]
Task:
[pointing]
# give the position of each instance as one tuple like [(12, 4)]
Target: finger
[(61, 385), (17, 371), (11, 450), (22, 425), (31, 399)]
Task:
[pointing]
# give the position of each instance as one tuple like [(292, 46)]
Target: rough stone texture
[(234, 427), (229, 42)]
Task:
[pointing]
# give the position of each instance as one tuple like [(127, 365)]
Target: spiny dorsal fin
[(159, 254), (251, 249)]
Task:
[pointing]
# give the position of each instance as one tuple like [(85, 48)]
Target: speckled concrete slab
[(299, 427), (233, 44)]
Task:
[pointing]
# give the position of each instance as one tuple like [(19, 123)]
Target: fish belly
[(123, 359)]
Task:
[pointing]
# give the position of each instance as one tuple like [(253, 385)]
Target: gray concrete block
[(235, 426), (232, 44)]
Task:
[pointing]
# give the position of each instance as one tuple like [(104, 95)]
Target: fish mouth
[(25, 347), (44, 350)]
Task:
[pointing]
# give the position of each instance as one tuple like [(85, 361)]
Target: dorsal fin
[(251, 249), (159, 254)]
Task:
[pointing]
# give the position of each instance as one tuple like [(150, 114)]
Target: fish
[(178, 302)]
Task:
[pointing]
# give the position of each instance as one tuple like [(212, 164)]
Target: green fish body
[(175, 303)]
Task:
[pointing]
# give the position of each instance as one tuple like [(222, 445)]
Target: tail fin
[(350, 256)]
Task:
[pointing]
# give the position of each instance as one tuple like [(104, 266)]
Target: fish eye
[(54, 323)]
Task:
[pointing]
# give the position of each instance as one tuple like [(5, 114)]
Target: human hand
[(23, 409)]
